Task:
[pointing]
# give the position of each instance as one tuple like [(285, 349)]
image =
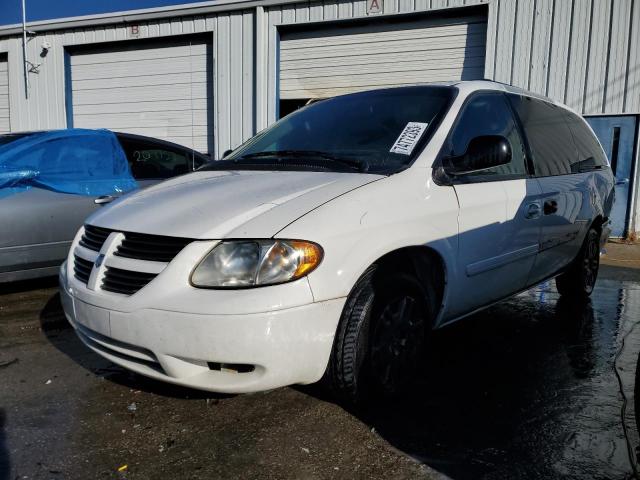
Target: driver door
[(499, 210)]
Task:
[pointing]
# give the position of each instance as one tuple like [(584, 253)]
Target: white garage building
[(210, 75)]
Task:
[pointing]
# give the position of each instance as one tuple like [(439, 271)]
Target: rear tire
[(580, 278), (379, 345)]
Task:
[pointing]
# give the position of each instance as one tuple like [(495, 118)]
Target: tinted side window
[(151, 161), (590, 154), (489, 114), (548, 134)]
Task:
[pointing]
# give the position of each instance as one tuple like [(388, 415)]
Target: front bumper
[(273, 348)]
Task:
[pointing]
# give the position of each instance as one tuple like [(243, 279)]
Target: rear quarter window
[(590, 154)]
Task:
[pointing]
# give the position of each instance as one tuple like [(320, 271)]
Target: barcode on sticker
[(409, 137)]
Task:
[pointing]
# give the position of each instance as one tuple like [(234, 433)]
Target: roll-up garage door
[(333, 61), (160, 89), (4, 95)]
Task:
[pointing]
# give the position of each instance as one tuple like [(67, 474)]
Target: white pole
[(24, 50)]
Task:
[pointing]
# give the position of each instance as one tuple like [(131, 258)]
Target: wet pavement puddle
[(527, 389)]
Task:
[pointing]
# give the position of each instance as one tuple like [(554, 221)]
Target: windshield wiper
[(359, 165)]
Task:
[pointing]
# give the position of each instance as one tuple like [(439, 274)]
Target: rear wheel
[(580, 279), (379, 345)]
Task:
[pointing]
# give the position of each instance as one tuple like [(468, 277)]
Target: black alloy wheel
[(580, 278)]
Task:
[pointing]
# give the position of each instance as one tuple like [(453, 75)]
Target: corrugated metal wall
[(233, 45), (581, 52)]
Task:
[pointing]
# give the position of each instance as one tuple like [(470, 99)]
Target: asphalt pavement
[(534, 387)]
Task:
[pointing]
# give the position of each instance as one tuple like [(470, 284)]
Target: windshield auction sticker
[(409, 137)]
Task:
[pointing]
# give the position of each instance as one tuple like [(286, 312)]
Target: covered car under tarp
[(73, 161)]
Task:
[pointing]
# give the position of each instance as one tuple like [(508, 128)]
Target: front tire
[(579, 280), (380, 342)]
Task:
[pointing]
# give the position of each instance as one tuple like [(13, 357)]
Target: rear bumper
[(279, 347)]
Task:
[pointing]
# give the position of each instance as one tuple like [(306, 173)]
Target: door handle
[(533, 210), (104, 199), (622, 181), (550, 207)]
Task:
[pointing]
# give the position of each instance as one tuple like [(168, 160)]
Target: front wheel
[(580, 278), (380, 341)]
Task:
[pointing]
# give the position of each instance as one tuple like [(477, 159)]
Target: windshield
[(379, 131)]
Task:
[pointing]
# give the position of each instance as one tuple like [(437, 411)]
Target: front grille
[(94, 237), (125, 281), (82, 268), (156, 248)]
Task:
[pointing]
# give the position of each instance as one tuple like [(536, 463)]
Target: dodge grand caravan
[(330, 244)]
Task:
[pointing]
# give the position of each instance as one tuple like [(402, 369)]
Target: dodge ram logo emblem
[(99, 260)]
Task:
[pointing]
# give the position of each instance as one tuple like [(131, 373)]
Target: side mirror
[(226, 153), (483, 152)]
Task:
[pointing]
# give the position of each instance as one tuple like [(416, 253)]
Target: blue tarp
[(75, 161)]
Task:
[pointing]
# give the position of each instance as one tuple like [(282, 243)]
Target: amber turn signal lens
[(310, 256)]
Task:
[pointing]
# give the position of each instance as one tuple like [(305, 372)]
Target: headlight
[(250, 263)]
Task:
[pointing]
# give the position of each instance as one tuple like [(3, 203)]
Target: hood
[(226, 204)]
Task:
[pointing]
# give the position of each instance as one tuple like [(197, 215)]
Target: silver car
[(38, 222)]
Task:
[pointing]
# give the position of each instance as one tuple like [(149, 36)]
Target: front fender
[(358, 228)]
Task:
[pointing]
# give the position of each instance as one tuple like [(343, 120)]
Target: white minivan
[(329, 245)]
